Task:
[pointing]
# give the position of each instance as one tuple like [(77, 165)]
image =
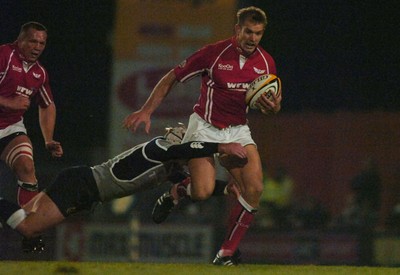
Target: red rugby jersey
[(14, 80), (223, 81)]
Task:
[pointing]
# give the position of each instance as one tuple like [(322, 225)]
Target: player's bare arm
[(47, 120), (197, 149), (160, 91)]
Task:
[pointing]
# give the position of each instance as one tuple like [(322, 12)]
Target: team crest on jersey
[(259, 71), (37, 75), (16, 68), (183, 63)]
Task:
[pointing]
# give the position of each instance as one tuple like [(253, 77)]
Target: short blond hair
[(253, 14)]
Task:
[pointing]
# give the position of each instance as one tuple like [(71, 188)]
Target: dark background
[(335, 55), (331, 55)]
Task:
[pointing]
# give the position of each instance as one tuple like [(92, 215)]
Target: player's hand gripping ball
[(264, 84)]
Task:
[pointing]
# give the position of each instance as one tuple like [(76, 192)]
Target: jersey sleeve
[(194, 65), (45, 96), (270, 62), (273, 66), (156, 150), (189, 150), (4, 57)]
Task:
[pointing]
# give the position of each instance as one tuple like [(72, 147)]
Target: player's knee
[(31, 233), (24, 167), (254, 190), (258, 190), (200, 195), (28, 230)]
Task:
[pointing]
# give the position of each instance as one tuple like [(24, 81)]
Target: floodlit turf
[(88, 268)]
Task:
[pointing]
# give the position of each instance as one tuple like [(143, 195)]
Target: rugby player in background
[(23, 80)]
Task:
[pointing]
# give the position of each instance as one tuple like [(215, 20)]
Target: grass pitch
[(88, 268)]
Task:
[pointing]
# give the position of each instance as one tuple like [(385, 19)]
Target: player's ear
[(237, 29)]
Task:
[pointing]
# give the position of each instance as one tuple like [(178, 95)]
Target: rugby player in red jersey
[(226, 68), (23, 80)]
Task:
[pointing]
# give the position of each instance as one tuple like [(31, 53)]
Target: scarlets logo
[(258, 71), (182, 64), (37, 75)]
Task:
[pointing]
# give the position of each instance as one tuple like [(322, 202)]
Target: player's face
[(249, 35), (32, 44)]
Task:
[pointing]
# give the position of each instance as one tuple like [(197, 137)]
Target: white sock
[(16, 218)]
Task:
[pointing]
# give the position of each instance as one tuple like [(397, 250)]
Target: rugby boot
[(35, 245), (162, 208)]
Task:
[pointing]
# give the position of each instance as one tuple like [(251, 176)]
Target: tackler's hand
[(232, 155)]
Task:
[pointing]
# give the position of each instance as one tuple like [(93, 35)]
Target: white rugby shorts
[(200, 130), (16, 127)]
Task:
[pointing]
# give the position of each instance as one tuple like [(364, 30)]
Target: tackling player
[(76, 189), (226, 68)]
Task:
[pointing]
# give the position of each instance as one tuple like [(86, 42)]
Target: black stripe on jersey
[(133, 165)]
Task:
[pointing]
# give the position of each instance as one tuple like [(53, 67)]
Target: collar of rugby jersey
[(26, 65), (239, 50)]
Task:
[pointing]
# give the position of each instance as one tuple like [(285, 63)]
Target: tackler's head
[(175, 134)]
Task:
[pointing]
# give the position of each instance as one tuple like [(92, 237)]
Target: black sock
[(219, 188), (7, 209)]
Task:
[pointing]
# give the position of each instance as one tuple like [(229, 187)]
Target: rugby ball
[(264, 84)]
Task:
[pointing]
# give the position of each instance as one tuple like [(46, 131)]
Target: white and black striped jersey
[(144, 166)]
